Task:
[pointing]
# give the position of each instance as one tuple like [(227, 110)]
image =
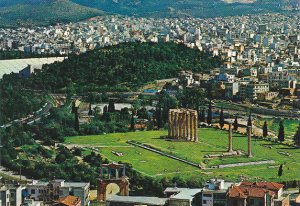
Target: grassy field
[(290, 126), (212, 141)]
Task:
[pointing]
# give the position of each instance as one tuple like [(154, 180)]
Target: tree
[(209, 114), (235, 124), (90, 109), (76, 119), (265, 129), (111, 106), (280, 171), (281, 132), (192, 97), (222, 120), (202, 116), (158, 116), (165, 103), (60, 158), (132, 124), (297, 137), (105, 109)]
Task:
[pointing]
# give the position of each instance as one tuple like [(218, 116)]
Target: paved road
[(12, 174), (44, 111)]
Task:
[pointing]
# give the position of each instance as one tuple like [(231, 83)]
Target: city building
[(55, 189)]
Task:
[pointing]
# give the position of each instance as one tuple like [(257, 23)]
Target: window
[(207, 195), (204, 202), (32, 191)]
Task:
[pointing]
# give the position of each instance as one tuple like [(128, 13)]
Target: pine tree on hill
[(209, 114), (235, 124), (297, 137), (265, 129), (281, 132), (222, 120)]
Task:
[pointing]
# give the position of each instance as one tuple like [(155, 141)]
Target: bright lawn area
[(212, 141), (290, 126)]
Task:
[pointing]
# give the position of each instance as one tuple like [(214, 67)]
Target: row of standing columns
[(230, 147), (183, 124)]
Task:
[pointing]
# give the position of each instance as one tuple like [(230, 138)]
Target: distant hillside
[(195, 8), (42, 12)]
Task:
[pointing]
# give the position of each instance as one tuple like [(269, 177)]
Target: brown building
[(257, 194)]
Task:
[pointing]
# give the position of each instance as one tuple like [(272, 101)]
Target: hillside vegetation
[(127, 65), (42, 12)]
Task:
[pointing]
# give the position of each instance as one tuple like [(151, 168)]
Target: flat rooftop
[(16, 65), (138, 200)]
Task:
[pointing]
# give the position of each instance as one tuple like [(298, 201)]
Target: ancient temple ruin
[(183, 124)]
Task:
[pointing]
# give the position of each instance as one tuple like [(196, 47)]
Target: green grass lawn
[(290, 126), (211, 141)]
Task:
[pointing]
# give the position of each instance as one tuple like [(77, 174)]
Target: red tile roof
[(254, 189), (69, 200), (266, 185), (245, 192)]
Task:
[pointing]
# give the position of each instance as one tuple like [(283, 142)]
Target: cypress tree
[(281, 132), (111, 106), (105, 109), (159, 118), (132, 124), (73, 107), (280, 171), (297, 137), (222, 120), (265, 129), (90, 109), (235, 124), (76, 120), (209, 114), (202, 119)]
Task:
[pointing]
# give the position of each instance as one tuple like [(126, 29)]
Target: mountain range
[(15, 12)]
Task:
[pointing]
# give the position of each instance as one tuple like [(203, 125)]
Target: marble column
[(230, 138), (188, 127), (191, 127), (249, 142), (170, 124), (195, 127), (184, 126)]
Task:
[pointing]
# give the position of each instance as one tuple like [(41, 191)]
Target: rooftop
[(138, 200), (187, 194), (16, 65)]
